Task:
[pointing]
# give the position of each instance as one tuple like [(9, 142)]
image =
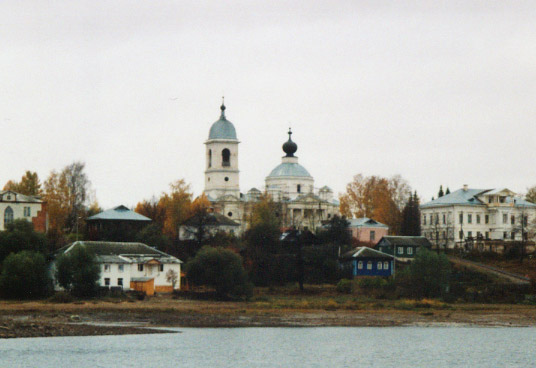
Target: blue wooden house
[(365, 261)]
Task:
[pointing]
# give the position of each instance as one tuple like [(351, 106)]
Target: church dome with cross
[(223, 128), (289, 178)]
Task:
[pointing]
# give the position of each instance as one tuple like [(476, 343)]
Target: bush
[(221, 269), (427, 276), (78, 272), (344, 286), (24, 276), (20, 235)]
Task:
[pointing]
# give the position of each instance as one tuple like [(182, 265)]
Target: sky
[(439, 92)]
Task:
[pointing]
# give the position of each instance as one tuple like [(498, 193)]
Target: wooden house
[(404, 248), (365, 261)]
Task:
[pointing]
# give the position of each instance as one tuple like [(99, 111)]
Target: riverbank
[(127, 316)]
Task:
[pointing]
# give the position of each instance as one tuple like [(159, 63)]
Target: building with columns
[(469, 216), (291, 186)]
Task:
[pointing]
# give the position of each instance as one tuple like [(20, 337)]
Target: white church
[(290, 185)]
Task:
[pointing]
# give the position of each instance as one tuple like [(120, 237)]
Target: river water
[(283, 347)]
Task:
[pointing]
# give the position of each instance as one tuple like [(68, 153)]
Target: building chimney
[(465, 187)]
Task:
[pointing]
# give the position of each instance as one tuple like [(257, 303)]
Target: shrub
[(344, 286), (24, 276), (221, 269), (78, 272), (427, 276)]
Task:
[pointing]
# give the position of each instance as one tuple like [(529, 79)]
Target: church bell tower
[(221, 170)]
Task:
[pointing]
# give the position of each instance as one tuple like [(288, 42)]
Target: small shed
[(365, 261), (143, 284)]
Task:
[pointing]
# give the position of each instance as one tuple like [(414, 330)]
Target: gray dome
[(289, 169), (223, 128)]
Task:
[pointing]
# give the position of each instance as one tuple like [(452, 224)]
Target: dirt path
[(479, 267)]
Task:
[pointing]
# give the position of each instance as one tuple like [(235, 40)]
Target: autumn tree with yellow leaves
[(29, 184), (376, 197)]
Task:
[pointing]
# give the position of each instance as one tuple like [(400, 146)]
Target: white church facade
[(289, 184)]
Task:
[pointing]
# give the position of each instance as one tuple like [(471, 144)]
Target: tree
[(67, 194), (176, 206), (381, 199), (28, 185), (411, 217), (199, 220), (153, 236), (440, 193), (221, 269), (531, 195), (336, 232), (20, 236), (78, 272), (153, 210), (428, 275), (447, 191), (262, 242), (24, 276), (173, 277)]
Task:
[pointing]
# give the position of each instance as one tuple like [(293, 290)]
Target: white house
[(15, 206), (476, 214), (131, 266)]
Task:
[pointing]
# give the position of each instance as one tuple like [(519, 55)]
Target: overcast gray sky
[(440, 92)]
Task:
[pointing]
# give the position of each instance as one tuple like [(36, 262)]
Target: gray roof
[(119, 213), (469, 198), (213, 219), (416, 241), (460, 196), (365, 222), (107, 251), (223, 128), (366, 252), (20, 197), (289, 169)]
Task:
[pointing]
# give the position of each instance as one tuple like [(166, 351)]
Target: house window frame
[(379, 265), (410, 250), (140, 267), (107, 281), (386, 265), (360, 265), (369, 265), (400, 250), (107, 268), (120, 281), (120, 268)]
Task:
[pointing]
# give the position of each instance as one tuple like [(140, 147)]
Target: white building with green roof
[(476, 215)]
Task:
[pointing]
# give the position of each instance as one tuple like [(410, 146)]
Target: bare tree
[(173, 277)]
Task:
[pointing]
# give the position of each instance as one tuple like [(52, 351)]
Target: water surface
[(283, 347)]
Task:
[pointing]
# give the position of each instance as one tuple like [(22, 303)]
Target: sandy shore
[(37, 319)]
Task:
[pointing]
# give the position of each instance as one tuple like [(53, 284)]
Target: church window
[(299, 188), (225, 157), (8, 216), (226, 178), (209, 158), (230, 214)]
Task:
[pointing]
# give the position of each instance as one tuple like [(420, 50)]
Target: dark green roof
[(213, 219), (416, 241), (119, 213)]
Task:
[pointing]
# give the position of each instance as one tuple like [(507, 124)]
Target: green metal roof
[(120, 213), (223, 128), (289, 169)]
